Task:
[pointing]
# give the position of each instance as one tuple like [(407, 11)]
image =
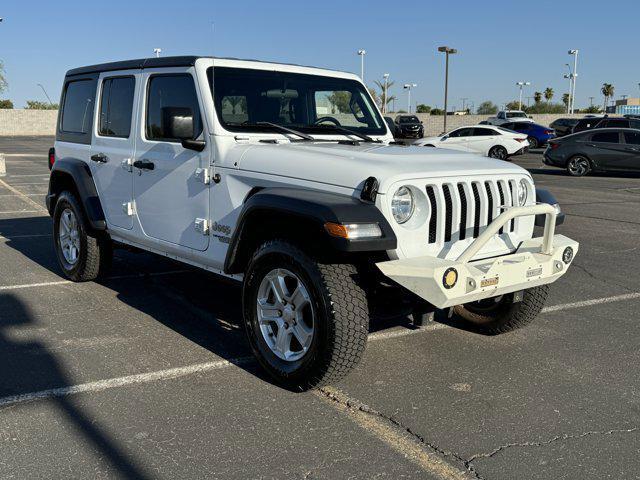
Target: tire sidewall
[(276, 255), (533, 143), (67, 200)]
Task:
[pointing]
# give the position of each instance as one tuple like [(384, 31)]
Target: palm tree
[(385, 98), (607, 90), (548, 94), (565, 99), (3, 80), (537, 97)]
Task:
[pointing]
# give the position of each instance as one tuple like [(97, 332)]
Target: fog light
[(567, 255), (450, 278)]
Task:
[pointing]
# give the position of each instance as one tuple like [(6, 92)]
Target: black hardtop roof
[(153, 62)]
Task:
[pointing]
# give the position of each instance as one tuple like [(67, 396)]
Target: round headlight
[(523, 190), (402, 205)]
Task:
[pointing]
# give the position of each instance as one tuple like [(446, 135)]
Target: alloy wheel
[(578, 166), (69, 236)]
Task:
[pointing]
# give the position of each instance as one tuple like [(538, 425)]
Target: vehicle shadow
[(27, 366), (198, 305)]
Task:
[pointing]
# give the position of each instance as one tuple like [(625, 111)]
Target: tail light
[(52, 157), (554, 145), (549, 132), (520, 139)]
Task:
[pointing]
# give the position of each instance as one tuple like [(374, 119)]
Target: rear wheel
[(533, 142), (497, 315), (578, 166), (82, 255), (498, 152), (307, 323)]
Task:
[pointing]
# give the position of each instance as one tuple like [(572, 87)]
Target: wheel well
[(59, 182)]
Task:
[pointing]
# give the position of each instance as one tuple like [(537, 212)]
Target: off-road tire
[(96, 249), (341, 321), (507, 315)]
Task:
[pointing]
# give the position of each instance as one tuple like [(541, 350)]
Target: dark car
[(605, 122), (392, 126), (538, 135), (409, 126), (563, 126), (598, 150)]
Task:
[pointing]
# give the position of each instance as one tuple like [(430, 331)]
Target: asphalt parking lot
[(147, 374)]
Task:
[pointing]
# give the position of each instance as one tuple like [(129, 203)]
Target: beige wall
[(27, 122)]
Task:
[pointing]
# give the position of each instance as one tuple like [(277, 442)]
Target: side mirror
[(197, 145), (421, 122), (444, 138), (177, 122)]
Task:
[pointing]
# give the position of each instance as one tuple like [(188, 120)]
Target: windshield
[(409, 120), (516, 115), (245, 98)]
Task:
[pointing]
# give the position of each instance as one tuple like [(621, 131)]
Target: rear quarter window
[(606, 137), (76, 115)]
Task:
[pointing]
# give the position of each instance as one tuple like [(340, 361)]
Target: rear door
[(632, 150), (114, 144), (607, 150), (172, 202), (483, 139)]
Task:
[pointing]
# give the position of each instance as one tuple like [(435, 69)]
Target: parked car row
[(405, 126)]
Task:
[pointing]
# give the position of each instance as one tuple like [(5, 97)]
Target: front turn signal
[(353, 231)]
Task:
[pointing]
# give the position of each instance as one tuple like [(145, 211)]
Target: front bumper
[(536, 262)]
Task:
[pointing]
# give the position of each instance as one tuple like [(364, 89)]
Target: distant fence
[(43, 122)]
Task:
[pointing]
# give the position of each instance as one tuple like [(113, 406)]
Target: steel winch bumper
[(445, 283)]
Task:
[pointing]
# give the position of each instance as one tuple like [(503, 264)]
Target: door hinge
[(202, 226), (127, 164), (128, 208), (203, 175)]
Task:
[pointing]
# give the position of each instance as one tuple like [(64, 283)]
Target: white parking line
[(20, 211), (30, 184), (29, 175), (23, 196), (34, 235), (589, 303)]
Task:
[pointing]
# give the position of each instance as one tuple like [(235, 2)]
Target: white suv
[(285, 178)]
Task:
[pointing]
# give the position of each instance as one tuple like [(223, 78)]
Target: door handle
[(100, 158), (144, 164)]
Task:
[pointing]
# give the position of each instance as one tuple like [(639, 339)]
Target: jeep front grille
[(462, 210)]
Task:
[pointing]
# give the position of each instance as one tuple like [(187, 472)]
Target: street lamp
[(521, 85), (464, 100), (157, 51), (362, 52), (385, 95), (574, 52), (571, 80), (45, 93), (447, 51), (408, 87)]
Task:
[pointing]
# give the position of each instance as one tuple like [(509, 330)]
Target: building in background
[(628, 106)]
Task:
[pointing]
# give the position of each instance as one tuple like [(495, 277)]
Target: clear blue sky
[(499, 42)]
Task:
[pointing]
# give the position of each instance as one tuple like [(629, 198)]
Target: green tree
[(607, 90), (514, 105), (38, 105), (544, 107), (422, 108), (486, 108), (437, 111), (6, 104), (537, 97), (385, 98), (339, 102), (591, 109), (548, 94), (3, 80)]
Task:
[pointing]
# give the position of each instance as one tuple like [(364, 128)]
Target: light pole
[(408, 87), (464, 103), (591, 101), (521, 85), (571, 80), (574, 52), (362, 52), (157, 51), (45, 93), (386, 90), (447, 51)]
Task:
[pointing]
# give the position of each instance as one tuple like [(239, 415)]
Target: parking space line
[(23, 196), (30, 175), (20, 211), (589, 303), (392, 434), (101, 385), (33, 235)]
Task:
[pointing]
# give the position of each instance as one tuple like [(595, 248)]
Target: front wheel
[(578, 166), (498, 152), (496, 315), (306, 322)]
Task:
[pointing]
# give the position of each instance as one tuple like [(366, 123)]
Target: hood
[(349, 165)]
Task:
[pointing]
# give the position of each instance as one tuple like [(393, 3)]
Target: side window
[(508, 125), (632, 137), (116, 107), (634, 124), (461, 132), (483, 132), (77, 111), (618, 124), (173, 112), (606, 137)]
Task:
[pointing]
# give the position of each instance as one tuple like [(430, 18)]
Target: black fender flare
[(80, 174), (545, 196), (298, 205)]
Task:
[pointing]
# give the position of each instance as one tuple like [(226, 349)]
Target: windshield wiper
[(282, 128), (347, 131)]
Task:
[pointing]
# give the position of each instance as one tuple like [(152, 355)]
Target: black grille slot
[(512, 224), (448, 212), (489, 204), (476, 201), (463, 212), (433, 221), (501, 204)]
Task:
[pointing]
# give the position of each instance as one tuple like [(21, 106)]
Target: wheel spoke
[(279, 288), (268, 313), (283, 341), (302, 333), (299, 297)]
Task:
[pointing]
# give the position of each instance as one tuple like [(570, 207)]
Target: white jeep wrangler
[(286, 178)]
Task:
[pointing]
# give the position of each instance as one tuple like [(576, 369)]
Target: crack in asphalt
[(564, 436), (602, 218), (600, 279), (361, 407)]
